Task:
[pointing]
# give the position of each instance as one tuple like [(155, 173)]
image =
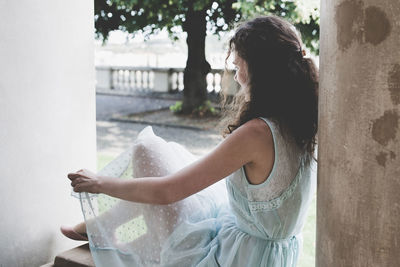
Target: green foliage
[(304, 14), (204, 110), (177, 107), (150, 17)]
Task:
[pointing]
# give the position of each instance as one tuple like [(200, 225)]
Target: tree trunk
[(197, 67)]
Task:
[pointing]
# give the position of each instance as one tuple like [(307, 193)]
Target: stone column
[(47, 123), (358, 195)]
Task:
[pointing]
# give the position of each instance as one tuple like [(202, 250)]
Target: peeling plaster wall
[(358, 197), (47, 123)]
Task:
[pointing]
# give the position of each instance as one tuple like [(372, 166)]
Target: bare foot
[(76, 233), (80, 228)]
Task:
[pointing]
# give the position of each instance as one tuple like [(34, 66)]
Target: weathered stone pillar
[(358, 196)]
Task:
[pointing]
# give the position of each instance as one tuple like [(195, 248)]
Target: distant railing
[(131, 80)]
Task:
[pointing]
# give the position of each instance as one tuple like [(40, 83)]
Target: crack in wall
[(394, 84)]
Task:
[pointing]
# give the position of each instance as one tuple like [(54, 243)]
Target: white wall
[(47, 123)]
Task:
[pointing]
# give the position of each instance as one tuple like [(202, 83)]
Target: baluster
[(217, 82), (139, 80), (174, 81), (122, 79), (126, 80), (145, 77), (119, 79), (151, 80), (115, 79), (113, 83), (131, 81), (180, 81), (209, 80)]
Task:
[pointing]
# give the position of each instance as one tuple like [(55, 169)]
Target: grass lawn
[(103, 160), (307, 256)]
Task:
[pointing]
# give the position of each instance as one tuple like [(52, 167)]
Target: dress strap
[(276, 157)]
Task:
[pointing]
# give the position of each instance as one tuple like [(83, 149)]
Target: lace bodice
[(274, 209), (284, 170)]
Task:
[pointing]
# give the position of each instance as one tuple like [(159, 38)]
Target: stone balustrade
[(133, 80)]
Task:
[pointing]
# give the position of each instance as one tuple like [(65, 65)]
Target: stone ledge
[(76, 257)]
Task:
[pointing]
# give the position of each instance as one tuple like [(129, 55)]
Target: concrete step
[(76, 257)]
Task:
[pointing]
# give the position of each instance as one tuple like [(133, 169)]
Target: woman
[(265, 161)]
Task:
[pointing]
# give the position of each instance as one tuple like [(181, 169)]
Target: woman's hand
[(85, 181)]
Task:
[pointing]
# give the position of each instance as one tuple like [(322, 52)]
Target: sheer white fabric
[(135, 229)]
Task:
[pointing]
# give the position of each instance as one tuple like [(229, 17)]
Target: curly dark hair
[(283, 84)]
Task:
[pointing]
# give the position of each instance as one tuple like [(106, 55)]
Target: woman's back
[(281, 198), (267, 218), (261, 224)]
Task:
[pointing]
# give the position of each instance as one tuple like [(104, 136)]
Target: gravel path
[(114, 137), (108, 105)]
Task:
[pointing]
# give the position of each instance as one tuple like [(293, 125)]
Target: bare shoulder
[(256, 130), (254, 138), (262, 145)]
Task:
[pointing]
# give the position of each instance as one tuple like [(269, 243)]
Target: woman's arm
[(247, 144)]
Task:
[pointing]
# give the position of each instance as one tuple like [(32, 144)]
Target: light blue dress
[(232, 223)]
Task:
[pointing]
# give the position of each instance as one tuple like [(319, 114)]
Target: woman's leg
[(151, 157), (154, 157)]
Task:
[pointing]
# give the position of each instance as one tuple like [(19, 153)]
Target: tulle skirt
[(200, 230), (123, 233)]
